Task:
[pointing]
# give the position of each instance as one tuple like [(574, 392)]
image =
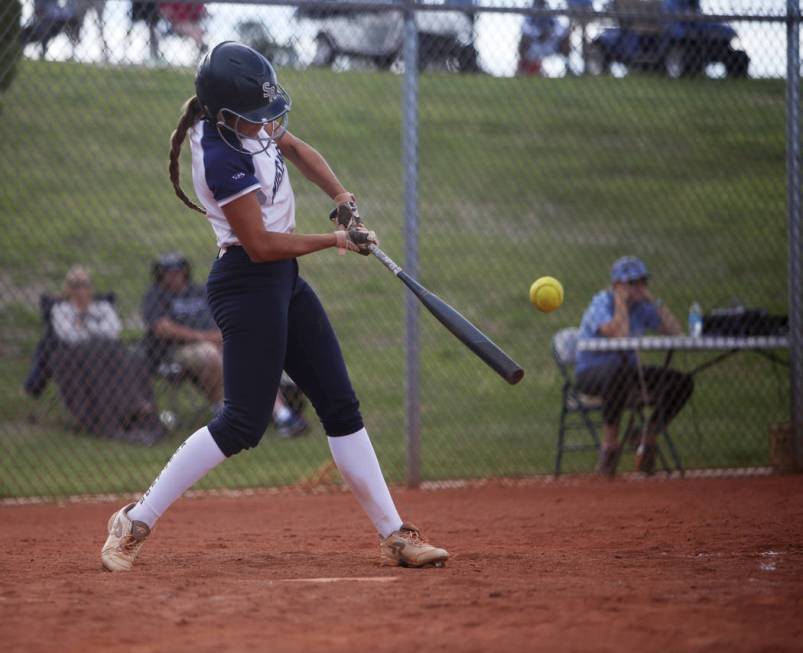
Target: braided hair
[(192, 111)]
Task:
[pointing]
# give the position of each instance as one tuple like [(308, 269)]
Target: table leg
[(694, 371), (644, 396)]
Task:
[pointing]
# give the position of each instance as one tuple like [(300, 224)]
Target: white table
[(727, 345), (663, 343), (763, 345)]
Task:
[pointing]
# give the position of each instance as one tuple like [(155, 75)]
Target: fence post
[(412, 309), (793, 205)]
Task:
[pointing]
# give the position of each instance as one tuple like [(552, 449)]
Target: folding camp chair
[(583, 412), (41, 370)]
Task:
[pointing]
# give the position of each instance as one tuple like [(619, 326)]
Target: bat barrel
[(461, 328), (492, 355), (485, 348)]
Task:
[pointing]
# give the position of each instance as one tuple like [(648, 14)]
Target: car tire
[(597, 62), (675, 64), (385, 61), (324, 51), (467, 60), (737, 64)]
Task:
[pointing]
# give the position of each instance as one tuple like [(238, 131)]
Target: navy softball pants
[(272, 320)]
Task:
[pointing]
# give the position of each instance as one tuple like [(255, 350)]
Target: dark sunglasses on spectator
[(637, 282)]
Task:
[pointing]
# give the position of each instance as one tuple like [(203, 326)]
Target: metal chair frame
[(589, 410)]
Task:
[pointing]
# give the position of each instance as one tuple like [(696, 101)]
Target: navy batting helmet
[(234, 83)]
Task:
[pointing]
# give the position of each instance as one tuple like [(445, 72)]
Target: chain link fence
[(553, 139)]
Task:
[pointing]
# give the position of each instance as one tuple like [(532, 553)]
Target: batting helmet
[(235, 82)]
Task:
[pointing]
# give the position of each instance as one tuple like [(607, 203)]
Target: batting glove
[(357, 239), (346, 215)]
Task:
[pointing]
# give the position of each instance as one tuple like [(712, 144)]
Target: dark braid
[(191, 113)]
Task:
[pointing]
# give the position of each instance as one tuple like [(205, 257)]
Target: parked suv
[(445, 38), (674, 47)]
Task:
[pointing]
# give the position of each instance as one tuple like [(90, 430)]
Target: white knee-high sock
[(355, 458), (191, 462)]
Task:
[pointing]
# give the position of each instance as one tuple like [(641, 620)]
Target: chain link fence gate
[(552, 140)]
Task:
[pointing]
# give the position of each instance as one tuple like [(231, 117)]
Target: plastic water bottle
[(695, 320)]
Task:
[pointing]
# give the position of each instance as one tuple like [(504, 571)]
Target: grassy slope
[(518, 178)]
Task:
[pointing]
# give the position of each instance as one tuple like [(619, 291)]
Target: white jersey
[(220, 175)]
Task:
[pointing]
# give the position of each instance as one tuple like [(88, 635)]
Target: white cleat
[(126, 537), (405, 548)]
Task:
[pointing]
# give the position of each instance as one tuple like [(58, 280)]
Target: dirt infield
[(693, 565)]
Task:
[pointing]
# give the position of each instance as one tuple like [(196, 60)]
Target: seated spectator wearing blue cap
[(628, 308)]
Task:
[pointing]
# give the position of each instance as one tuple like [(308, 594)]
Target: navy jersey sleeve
[(229, 174)]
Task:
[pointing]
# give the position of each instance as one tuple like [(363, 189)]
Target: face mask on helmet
[(264, 131), (239, 91)]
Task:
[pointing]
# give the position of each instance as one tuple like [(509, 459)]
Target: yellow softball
[(546, 294)]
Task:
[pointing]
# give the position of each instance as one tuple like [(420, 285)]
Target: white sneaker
[(406, 548), (126, 537)]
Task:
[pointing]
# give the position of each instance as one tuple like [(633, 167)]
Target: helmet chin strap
[(278, 126)]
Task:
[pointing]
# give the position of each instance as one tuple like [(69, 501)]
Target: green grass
[(518, 178)]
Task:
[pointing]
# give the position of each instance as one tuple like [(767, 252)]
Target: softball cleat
[(125, 539), (406, 548)]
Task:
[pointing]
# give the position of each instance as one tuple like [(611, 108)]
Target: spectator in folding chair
[(628, 308), (104, 385), (181, 329)]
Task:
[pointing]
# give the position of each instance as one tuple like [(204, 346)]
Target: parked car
[(445, 38), (675, 47)]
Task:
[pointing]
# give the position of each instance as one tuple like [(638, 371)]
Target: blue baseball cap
[(628, 268)]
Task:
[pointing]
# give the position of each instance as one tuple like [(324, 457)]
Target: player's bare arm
[(670, 325), (311, 164), (315, 168), (261, 245), (619, 326)]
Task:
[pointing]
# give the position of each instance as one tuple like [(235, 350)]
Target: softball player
[(270, 318)]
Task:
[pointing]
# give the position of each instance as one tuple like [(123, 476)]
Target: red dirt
[(693, 565)]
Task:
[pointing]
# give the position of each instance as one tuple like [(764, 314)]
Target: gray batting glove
[(359, 239), (346, 215)]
